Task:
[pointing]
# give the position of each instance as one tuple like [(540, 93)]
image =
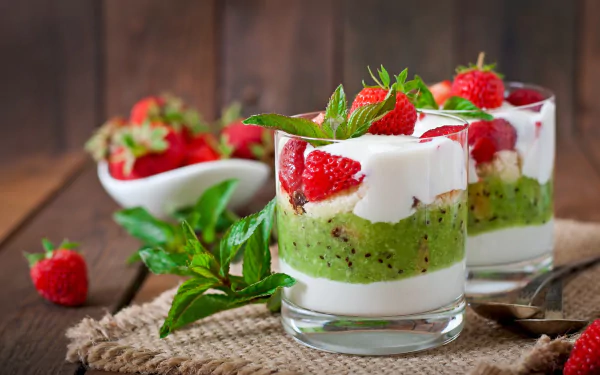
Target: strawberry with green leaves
[(242, 141), (146, 150), (59, 274), (480, 84)]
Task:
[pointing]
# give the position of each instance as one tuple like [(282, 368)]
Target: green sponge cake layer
[(496, 204), (348, 248)]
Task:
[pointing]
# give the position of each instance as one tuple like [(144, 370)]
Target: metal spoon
[(523, 307), (553, 323)]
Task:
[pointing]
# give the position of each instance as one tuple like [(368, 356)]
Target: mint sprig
[(256, 285), (456, 103)]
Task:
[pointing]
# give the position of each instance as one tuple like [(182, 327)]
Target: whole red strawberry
[(585, 356), (291, 165), (146, 109), (441, 91), (59, 274), (479, 84), (244, 139), (488, 137), (325, 174), (201, 148), (443, 130), (147, 150), (401, 120), (524, 97)]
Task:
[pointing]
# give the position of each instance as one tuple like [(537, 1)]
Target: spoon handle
[(554, 300)]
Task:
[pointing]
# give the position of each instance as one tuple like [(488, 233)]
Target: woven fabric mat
[(250, 340)]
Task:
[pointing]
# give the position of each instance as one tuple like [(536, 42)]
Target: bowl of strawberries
[(164, 156)]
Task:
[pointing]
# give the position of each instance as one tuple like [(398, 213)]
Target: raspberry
[(325, 174)]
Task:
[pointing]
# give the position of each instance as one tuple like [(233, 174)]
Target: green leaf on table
[(291, 125), (266, 286), (140, 224), (161, 262), (424, 98), (190, 304), (456, 103), (257, 256), (363, 117), (211, 206), (239, 233), (274, 302)]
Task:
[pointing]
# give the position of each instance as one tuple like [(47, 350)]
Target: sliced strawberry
[(443, 130), (441, 91), (325, 174), (291, 165), (524, 97), (401, 120), (488, 137)]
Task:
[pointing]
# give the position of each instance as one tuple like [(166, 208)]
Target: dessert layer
[(418, 294), (510, 245), (348, 248), (496, 203), (401, 169)]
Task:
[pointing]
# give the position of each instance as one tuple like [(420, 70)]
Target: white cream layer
[(398, 169), (412, 295), (510, 245)]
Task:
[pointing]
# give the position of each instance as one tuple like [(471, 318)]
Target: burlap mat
[(250, 340)]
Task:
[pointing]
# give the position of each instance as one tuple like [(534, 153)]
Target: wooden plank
[(588, 69), (48, 76), (532, 41), (156, 46), (278, 56), (32, 331), (28, 183), (397, 34)]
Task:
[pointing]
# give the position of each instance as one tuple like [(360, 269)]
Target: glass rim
[(549, 96), (311, 115)]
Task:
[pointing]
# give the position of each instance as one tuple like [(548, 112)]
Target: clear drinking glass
[(511, 209), (380, 264)]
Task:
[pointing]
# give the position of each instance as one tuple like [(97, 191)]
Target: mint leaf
[(161, 262), (257, 256), (456, 103), (424, 97), (48, 246), (140, 224), (336, 113), (190, 304), (135, 257), (239, 233), (291, 125), (211, 205), (205, 265), (274, 302), (192, 245), (363, 117), (267, 286)]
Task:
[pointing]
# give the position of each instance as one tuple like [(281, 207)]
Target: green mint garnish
[(256, 285), (456, 103)]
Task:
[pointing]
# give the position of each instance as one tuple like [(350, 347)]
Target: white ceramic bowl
[(166, 192)]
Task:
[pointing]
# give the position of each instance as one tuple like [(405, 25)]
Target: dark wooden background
[(66, 65)]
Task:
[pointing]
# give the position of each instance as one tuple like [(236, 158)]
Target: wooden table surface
[(61, 197)]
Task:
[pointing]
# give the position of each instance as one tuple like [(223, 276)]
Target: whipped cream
[(398, 169), (418, 294)]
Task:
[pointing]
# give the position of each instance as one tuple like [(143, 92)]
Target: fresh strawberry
[(524, 97), (401, 120), (59, 274), (291, 165), (585, 356), (479, 84), (441, 91), (99, 145), (443, 130), (146, 109), (147, 150), (488, 137), (325, 174), (202, 148)]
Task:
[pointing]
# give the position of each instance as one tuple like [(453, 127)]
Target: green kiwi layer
[(348, 248), (495, 204)]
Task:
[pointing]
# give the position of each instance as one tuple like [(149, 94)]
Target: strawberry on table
[(400, 120), (585, 356), (480, 84), (488, 137), (441, 91), (202, 148), (59, 274), (325, 174), (524, 97)]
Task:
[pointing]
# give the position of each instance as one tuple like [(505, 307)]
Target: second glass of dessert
[(372, 224)]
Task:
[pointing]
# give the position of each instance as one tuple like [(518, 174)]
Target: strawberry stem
[(480, 59)]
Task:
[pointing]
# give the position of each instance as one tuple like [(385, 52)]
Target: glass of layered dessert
[(511, 163)]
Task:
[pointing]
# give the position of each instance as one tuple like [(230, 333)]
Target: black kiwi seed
[(353, 251), (425, 237), (367, 255), (347, 259), (322, 257), (426, 259), (472, 207), (443, 212), (427, 222), (400, 272), (389, 256), (389, 265), (294, 243), (328, 264), (380, 260), (330, 220), (349, 264), (440, 220), (328, 247), (423, 270), (339, 257)]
